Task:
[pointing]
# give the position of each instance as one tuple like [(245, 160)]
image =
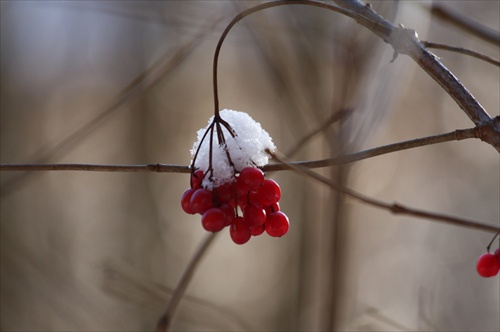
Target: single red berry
[(213, 220), (257, 230), (186, 201), (239, 231), (487, 265), (254, 215), (269, 193), (497, 255), (196, 179), (277, 224), (225, 193), (251, 178), (229, 213), (202, 200)]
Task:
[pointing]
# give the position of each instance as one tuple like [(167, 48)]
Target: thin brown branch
[(169, 168), (465, 23), (160, 168), (462, 51), (166, 319), (400, 146), (394, 208)]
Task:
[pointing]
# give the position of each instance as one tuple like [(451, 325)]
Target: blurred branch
[(456, 135), (394, 208), (465, 23), (335, 117), (166, 318), (462, 51), (143, 83)]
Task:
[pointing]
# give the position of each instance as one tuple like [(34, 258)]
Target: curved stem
[(250, 11)]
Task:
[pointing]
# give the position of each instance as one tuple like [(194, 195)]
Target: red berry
[(229, 213), (202, 200), (269, 193), (277, 224), (257, 230), (196, 179), (487, 265), (186, 201), (239, 231), (225, 193), (251, 178), (497, 255), (254, 215), (213, 220)]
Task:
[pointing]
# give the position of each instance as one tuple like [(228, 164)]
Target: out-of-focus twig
[(335, 117), (462, 51), (394, 208), (166, 319), (465, 23), (143, 83)]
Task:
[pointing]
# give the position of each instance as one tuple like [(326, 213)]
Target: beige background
[(100, 251)]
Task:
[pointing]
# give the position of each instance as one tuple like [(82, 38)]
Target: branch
[(456, 135), (465, 23), (159, 168), (165, 320), (463, 51), (394, 208), (405, 41)]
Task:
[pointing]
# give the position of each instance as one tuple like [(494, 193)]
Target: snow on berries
[(234, 133), (226, 187)]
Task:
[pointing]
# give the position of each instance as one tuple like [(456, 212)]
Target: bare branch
[(160, 168), (405, 41), (165, 320), (394, 208), (462, 51), (456, 135)]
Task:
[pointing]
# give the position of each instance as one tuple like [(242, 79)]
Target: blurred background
[(127, 82)]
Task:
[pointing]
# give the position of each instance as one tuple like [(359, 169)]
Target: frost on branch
[(246, 148)]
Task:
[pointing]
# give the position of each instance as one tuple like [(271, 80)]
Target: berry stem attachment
[(491, 242)]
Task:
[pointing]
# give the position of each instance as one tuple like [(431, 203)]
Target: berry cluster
[(488, 264), (250, 193)]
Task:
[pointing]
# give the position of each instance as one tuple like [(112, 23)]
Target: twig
[(462, 51), (144, 82), (169, 168), (465, 23), (335, 117), (395, 208), (166, 319)]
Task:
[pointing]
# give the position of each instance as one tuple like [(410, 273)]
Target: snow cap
[(247, 148)]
